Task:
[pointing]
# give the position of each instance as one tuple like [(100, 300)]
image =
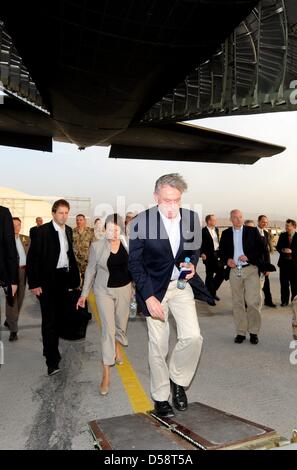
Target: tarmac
[(255, 382)]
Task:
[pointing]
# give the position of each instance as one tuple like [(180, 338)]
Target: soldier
[(82, 239)]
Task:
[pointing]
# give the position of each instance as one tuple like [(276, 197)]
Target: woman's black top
[(117, 264)]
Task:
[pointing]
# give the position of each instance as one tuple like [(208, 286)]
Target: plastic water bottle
[(239, 268), (133, 308), (182, 282)]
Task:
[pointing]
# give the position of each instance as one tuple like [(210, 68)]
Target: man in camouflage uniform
[(82, 238)]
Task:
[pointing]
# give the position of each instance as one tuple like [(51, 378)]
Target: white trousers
[(185, 356)]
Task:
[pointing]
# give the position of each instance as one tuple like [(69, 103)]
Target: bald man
[(243, 251)]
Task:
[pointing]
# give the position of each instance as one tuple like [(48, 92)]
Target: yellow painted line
[(138, 398), (92, 303)]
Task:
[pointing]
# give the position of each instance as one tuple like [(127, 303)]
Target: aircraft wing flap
[(184, 142)]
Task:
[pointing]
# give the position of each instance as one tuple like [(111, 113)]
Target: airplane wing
[(112, 72), (185, 142), (26, 127)]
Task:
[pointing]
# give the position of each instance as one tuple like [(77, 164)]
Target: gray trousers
[(113, 304), (13, 311)]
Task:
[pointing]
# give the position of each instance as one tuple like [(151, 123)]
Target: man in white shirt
[(243, 251), (267, 239), (52, 271), (13, 311), (160, 239), (210, 254)]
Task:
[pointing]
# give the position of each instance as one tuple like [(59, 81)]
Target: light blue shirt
[(237, 241)]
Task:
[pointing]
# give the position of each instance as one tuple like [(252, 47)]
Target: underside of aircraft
[(127, 74)]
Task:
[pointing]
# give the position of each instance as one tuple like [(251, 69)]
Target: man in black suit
[(160, 240), (52, 271), (210, 254), (33, 230), (266, 237), (242, 249), (287, 248), (8, 254)]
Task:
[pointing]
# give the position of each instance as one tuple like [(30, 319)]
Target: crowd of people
[(148, 253)]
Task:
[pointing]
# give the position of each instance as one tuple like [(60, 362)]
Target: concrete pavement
[(256, 382)]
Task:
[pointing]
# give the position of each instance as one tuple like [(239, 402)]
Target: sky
[(269, 186)]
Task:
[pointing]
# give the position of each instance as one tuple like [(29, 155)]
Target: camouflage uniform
[(81, 244)]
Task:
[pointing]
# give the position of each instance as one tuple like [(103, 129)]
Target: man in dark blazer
[(267, 238), (8, 254), (243, 250), (160, 240), (13, 310), (33, 230), (287, 248), (210, 254), (52, 271)]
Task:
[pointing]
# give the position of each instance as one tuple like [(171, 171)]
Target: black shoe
[(254, 338), (239, 339), (284, 304), (211, 303), (179, 397), (13, 336), (53, 370), (6, 324), (216, 297), (270, 304), (163, 409)]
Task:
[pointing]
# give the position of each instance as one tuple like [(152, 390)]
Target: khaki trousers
[(185, 356), (113, 304), (246, 289), (262, 282), (13, 311)]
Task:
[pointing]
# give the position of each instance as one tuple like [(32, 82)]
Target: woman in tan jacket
[(107, 273)]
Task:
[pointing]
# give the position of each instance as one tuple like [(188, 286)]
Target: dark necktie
[(290, 239)]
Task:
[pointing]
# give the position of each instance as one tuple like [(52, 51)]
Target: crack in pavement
[(56, 423)]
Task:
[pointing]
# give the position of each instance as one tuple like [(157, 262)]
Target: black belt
[(245, 265), (62, 270)]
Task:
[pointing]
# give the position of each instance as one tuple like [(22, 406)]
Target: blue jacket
[(151, 260)]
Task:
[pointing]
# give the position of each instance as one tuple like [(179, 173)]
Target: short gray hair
[(174, 180)]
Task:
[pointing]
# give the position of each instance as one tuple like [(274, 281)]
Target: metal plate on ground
[(135, 432), (209, 428)]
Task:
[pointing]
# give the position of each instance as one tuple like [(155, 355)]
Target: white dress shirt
[(21, 251), (214, 236), (261, 230), (172, 227), (237, 241), (63, 261)]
